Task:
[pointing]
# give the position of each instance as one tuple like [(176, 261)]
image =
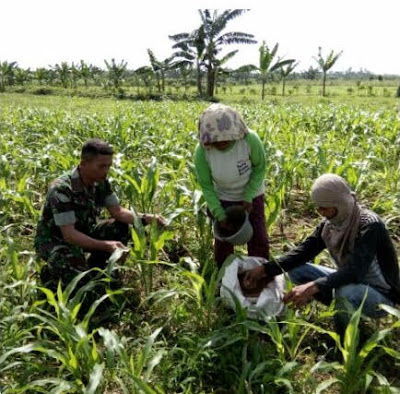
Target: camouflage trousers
[(63, 260)]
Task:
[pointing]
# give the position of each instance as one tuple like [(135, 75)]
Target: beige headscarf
[(339, 233), (221, 123)]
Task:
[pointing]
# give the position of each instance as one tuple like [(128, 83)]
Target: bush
[(43, 91)]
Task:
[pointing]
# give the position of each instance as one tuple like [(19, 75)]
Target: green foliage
[(180, 338), (326, 64)]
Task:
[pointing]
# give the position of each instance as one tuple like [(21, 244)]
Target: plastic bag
[(268, 304)]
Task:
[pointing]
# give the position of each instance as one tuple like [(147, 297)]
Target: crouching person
[(69, 226), (361, 248)]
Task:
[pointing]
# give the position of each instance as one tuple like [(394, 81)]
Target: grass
[(171, 332)]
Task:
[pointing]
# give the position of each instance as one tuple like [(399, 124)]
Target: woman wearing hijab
[(360, 246), (230, 167)]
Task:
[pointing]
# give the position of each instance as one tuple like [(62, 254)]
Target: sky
[(40, 33)]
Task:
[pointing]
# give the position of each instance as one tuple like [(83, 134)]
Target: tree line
[(197, 55)]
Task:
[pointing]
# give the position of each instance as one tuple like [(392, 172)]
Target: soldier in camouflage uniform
[(69, 227)]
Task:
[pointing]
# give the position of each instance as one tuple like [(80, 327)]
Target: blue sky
[(44, 32)]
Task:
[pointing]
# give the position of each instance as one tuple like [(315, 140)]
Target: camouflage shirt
[(68, 202)]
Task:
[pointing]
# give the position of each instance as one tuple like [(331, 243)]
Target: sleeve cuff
[(272, 268), (64, 218), (220, 215), (322, 282), (248, 199)]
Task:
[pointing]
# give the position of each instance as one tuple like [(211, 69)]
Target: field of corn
[(169, 331)]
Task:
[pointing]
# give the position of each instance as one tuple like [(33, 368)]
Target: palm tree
[(6, 74), (215, 40), (116, 72), (190, 52), (160, 68), (267, 64), (326, 64), (285, 72)]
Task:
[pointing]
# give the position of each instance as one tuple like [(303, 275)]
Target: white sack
[(269, 303)]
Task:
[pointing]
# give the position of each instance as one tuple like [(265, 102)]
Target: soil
[(255, 291)]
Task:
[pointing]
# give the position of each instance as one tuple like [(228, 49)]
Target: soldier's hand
[(111, 246), (148, 219)]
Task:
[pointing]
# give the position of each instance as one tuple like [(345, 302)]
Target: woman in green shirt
[(230, 167)]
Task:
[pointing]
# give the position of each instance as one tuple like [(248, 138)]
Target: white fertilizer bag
[(268, 304)]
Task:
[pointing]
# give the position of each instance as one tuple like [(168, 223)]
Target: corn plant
[(203, 346), (358, 359)]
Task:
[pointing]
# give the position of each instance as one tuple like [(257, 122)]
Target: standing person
[(69, 227), (230, 167), (361, 248)]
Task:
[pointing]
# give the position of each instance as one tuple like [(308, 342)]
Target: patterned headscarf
[(339, 233), (221, 123)]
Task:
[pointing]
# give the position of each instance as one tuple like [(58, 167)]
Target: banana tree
[(219, 70), (85, 72), (22, 76), (6, 74), (160, 67), (41, 75), (190, 52), (326, 64), (116, 72), (285, 71), (215, 40), (267, 64), (146, 74), (63, 73), (185, 70)]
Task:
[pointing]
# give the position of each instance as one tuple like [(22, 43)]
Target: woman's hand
[(301, 294), (225, 225), (248, 206)]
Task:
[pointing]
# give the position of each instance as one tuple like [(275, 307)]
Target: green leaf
[(324, 385), (95, 379)]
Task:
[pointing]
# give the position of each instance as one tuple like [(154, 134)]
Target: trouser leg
[(221, 251), (62, 262), (259, 242), (348, 299)]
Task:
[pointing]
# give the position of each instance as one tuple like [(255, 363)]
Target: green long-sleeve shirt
[(234, 174)]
